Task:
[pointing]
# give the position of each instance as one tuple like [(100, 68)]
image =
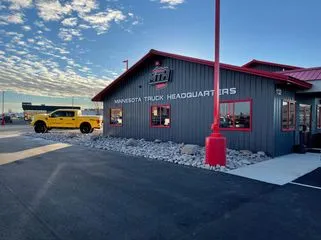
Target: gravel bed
[(164, 151)]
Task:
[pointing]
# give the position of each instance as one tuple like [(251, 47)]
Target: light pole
[(126, 61), (2, 122), (216, 143), (72, 102)]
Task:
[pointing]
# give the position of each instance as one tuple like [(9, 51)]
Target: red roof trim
[(254, 61), (299, 70), (283, 78)]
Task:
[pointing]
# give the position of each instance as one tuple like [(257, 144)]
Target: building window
[(236, 115), (319, 116), (160, 116), (116, 117), (305, 117), (288, 115)]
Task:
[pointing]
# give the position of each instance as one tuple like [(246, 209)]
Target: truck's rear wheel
[(40, 127), (85, 128)]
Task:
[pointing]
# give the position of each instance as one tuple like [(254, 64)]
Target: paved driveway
[(79, 193)]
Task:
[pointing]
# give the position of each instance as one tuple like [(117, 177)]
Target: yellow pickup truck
[(66, 119)]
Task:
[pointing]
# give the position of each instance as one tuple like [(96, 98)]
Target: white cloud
[(67, 34), (42, 73), (136, 22), (16, 18), (84, 6), (52, 10), (71, 22), (41, 25), (171, 4), (84, 26), (101, 21), (26, 28), (18, 4)]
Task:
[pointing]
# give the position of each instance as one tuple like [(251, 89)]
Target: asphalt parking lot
[(73, 192)]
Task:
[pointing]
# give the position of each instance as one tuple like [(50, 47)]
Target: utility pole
[(3, 122), (72, 102), (216, 143), (126, 62)]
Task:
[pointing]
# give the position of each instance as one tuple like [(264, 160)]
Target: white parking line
[(6, 158), (9, 136), (305, 185)]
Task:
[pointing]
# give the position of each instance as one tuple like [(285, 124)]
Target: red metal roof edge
[(299, 70), (276, 76), (254, 61)]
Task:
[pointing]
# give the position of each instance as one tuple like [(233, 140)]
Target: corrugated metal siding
[(191, 118), (267, 68)]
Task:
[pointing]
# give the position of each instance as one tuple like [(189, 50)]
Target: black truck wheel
[(40, 127), (85, 128)]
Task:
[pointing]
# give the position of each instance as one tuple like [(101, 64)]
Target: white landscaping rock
[(131, 142), (189, 149), (190, 155)]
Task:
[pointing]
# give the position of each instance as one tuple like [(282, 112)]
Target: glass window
[(319, 117), (288, 115), (58, 114), (305, 117), (116, 116), (160, 116), (235, 115), (70, 114)]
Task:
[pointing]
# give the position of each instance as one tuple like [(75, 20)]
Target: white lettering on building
[(177, 96)]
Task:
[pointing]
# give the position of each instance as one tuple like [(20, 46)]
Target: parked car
[(66, 119)]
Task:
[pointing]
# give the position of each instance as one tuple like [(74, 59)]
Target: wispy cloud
[(39, 66), (15, 18), (19, 4), (101, 21), (52, 10), (26, 28), (70, 22), (170, 4), (31, 63)]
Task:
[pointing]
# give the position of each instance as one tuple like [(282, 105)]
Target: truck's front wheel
[(85, 128), (40, 127)]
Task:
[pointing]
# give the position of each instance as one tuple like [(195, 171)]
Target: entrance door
[(305, 117), (305, 123)]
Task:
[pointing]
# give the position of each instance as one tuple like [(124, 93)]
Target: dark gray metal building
[(170, 97)]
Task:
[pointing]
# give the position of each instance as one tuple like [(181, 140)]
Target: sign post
[(126, 62), (215, 146)]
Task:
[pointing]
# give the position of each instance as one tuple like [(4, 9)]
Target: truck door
[(69, 120), (55, 119)]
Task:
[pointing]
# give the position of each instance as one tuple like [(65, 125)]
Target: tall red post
[(215, 145)]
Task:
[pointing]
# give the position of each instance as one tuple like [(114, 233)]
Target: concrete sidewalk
[(281, 170)]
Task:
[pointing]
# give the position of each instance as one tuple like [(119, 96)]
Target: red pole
[(216, 144), (126, 61), (216, 125)]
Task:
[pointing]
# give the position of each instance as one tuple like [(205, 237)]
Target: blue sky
[(52, 50)]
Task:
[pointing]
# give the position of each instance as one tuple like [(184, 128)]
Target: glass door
[(305, 117)]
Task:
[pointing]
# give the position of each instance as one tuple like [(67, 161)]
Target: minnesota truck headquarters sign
[(176, 96)]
